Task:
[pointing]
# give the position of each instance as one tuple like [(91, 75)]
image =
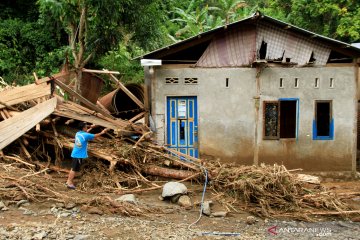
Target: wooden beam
[(196, 160), (68, 111), (167, 172), (12, 128), (99, 71), (132, 96), (22, 145), (102, 107), (86, 102), (46, 79), (137, 117)]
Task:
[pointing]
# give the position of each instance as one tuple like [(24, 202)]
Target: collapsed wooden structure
[(35, 105)]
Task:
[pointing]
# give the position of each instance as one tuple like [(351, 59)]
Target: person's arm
[(100, 133), (90, 128)]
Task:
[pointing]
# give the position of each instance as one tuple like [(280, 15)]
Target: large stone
[(40, 235), (81, 237), (2, 205), (185, 201), (130, 198), (250, 220), (219, 214), (206, 208), (172, 188)]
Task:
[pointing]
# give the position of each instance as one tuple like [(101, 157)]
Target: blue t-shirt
[(80, 147)]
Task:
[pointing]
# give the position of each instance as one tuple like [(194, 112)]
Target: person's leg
[(71, 177), (75, 167)]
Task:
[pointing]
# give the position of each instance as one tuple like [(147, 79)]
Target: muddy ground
[(52, 220)]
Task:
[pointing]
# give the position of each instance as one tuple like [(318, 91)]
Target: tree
[(195, 19), (230, 10), (336, 19), (94, 27)]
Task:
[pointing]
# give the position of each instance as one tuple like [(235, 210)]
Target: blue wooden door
[(182, 125)]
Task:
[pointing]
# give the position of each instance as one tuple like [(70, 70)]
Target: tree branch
[(87, 59), (81, 34), (73, 44)]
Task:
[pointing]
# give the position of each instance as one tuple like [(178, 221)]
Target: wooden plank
[(86, 102), (12, 128), (84, 117), (66, 110), (137, 117), (102, 107), (24, 93), (26, 152), (77, 107), (99, 71), (132, 96), (46, 79), (196, 160)]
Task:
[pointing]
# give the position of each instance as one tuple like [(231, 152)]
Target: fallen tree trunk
[(167, 172)]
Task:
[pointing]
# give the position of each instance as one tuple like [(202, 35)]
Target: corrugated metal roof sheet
[(252, 19)]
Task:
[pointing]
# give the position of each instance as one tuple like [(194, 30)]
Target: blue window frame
[(323, 124)]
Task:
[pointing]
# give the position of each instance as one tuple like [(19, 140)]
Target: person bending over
[(79, 151)]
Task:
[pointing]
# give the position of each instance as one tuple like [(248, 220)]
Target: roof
[(353, 50)]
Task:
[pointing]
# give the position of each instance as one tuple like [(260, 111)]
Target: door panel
[(182, 125)]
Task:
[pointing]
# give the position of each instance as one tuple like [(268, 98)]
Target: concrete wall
[(227, 114)]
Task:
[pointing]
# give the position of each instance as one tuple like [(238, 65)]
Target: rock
[(185, 201), (343, 224), (70, 205), (65, 214), (250, 220), (95, 210), (40, 235), (219, 214), (356, 219), (2, 205), (21, 202), (172, 188), (175, 198), (59, 205), (29, 212), (81, 237), (206, 208), (161, 198), (130, 198)]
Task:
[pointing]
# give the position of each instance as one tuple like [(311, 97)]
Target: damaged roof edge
[(312, 34), (257, 16), (195, 37)]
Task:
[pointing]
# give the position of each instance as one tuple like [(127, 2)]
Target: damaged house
[(258, 91)]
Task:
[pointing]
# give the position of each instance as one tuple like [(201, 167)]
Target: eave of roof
[(255, 17)]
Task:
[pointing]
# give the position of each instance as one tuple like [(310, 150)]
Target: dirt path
[(50, 220)]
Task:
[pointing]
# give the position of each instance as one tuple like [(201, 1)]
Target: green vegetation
[(38, 35)]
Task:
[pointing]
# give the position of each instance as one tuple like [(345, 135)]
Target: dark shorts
[(76, 163)]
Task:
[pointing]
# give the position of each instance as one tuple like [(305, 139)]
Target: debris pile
[(36, 136), (273, 191)]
